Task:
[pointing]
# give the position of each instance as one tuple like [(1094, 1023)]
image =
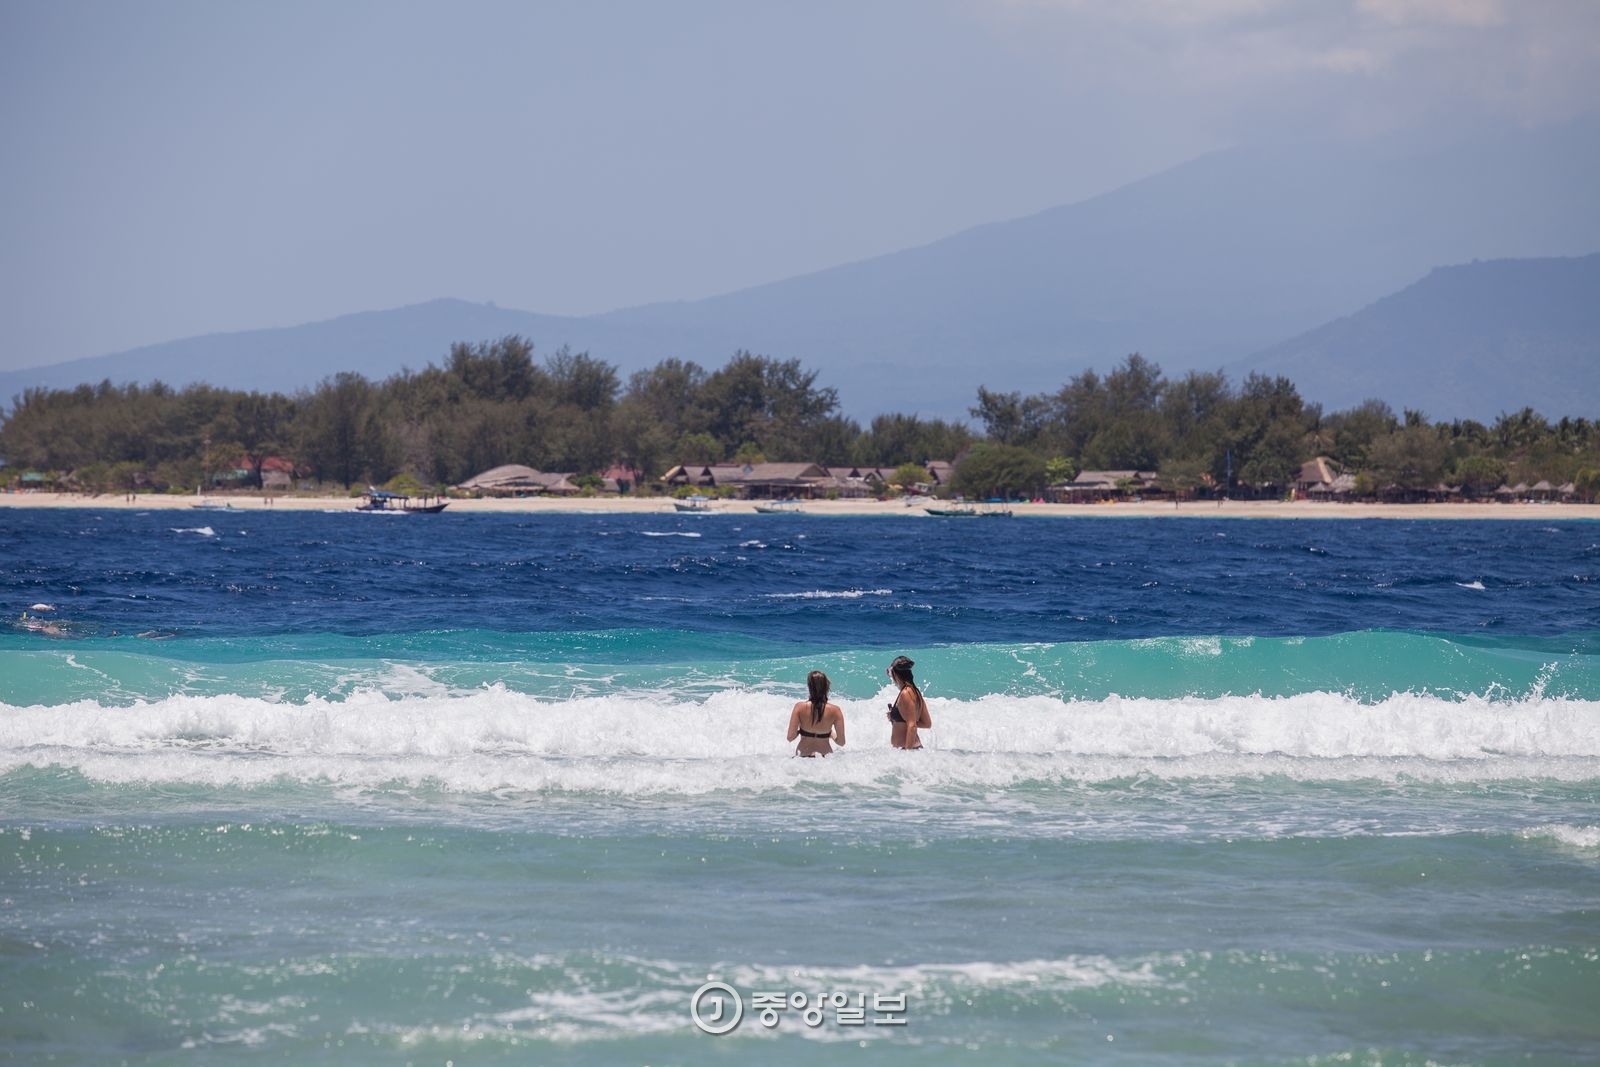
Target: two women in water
[(819, 725)]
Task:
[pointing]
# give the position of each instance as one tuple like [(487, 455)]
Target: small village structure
[(757, 481), (744, 481), (515, 480), (1092, 487)]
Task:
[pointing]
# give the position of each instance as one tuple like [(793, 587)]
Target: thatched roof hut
[(1316, 476), (756, 481), (1106, 485), (513, 479)]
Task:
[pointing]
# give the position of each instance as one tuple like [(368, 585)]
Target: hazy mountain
[(374, 343), (1194, 267), (1465, 342)]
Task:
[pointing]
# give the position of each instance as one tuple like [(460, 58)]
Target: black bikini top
[(894, 709), (807, 733)]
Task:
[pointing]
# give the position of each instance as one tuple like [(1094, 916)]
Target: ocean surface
[(483, 789)]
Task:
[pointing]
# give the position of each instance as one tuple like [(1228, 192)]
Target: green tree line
[(487, 404), (1201, 431), (492, 403)]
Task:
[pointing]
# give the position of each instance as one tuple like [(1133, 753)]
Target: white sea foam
[(605, 998), (935, 980), (670, 533), (641, 745), (1471, 585), (203, 531), (1583, 838), (831, 594)]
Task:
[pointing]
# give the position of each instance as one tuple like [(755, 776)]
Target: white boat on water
[(694, 503), (780, 507)]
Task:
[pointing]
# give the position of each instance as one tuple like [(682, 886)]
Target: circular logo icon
[(716, 1007)]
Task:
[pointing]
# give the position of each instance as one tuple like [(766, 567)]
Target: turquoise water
[(366, 793)]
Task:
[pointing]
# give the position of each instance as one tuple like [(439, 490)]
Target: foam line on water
[(1577, 838), (579, 998), (638, 745)]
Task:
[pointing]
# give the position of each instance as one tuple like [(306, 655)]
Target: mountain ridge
[(1197, 267), (1490, 315)]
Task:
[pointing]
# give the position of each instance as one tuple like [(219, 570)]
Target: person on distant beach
[(815, 721), (909, 713)]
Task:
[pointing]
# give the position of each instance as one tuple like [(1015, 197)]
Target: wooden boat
[(953, 513), (400, 504), (693, 503), (779, 507)]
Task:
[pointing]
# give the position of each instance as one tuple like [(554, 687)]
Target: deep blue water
[(917, 581)]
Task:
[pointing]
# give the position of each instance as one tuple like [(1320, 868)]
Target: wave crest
[(733, 740)]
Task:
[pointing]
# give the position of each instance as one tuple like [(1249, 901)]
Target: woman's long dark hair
[(901, 669), (818, 685)]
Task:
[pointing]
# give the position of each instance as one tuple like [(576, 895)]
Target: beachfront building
[(277, 473), (698, 475), (1342, 487), (1395, 493), (514, 480), (1321, 479), (875, 481), (1092, 487), (684, 474), (756, 481), (39, 481), (803, 481), (782, 481), (1316, 478), (860, 483), (620, 479)]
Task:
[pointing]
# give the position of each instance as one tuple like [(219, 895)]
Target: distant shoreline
[(1239, 509)]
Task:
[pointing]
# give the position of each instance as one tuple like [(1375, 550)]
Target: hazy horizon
[(180, 168)]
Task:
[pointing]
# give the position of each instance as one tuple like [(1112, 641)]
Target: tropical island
[(763, 428)]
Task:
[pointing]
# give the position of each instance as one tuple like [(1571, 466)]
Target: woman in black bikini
[(909, 712), (815, 722)]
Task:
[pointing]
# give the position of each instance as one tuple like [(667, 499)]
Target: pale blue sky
[(177, 168)]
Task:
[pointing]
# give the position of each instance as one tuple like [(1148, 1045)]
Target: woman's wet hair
[(901, 670), (818, 685)]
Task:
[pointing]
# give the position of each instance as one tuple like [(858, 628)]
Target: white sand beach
[(1240, 509)]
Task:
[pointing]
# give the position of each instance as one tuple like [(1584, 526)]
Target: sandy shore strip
[(1232, 509)]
